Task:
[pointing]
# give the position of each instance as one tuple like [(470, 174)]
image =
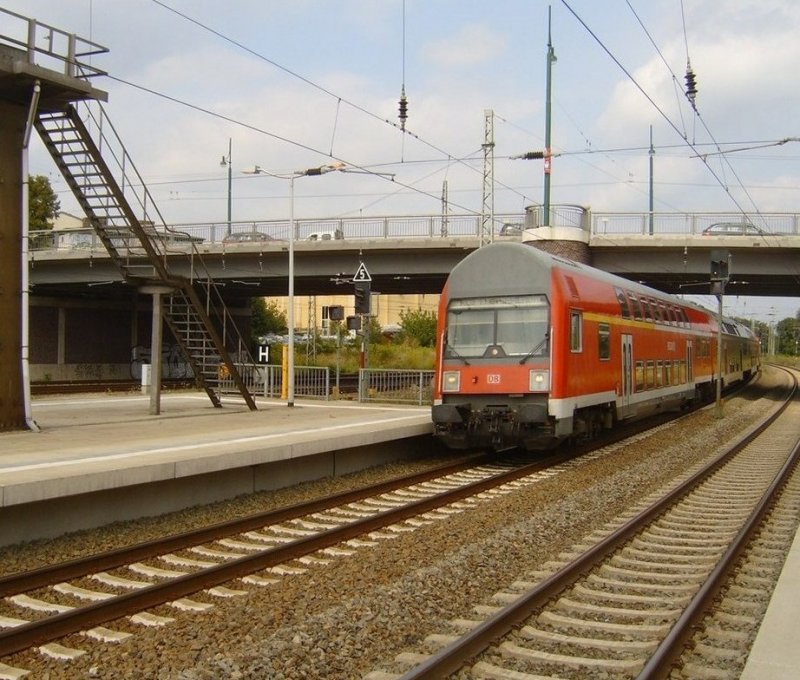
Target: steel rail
[(58, 625), (660, 663), (12, 584), (453, 656)]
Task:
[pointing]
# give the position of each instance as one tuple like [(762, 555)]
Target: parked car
[(333, 234), (247, 237), (511, 229), (733, 229)]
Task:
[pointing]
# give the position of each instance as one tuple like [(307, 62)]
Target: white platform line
[(194, 446)]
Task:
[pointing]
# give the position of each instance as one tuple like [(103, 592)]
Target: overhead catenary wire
[(655, 105), (691, 92), (405, 131)]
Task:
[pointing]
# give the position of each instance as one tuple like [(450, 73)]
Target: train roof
[(518, 268)]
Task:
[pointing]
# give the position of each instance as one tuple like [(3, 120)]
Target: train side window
[(636, 308), (640, 376), (648, 314), (604, 341), (662, 310), (673, 311), (656, 311), (623, 303), (667, 373), (685, 318), (651, 376), (659, 374), (575, 331)]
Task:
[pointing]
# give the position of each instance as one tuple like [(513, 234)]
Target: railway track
[(625, 602), (137, 586), (80, 595), (140, 586)]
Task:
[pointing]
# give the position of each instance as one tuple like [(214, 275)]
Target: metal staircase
[(113, 196)]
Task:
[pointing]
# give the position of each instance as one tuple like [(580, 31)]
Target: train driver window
[(523, 330), (575, 331), (517, 325), (604, 341)]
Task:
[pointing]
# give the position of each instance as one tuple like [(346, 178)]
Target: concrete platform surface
[(94, 444), (776, 652)]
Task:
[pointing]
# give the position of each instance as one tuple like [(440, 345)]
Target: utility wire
[(278, 137), (719, 151), (307, 81), (661, 112)]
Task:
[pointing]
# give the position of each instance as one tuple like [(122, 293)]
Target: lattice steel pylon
[(487, 206)]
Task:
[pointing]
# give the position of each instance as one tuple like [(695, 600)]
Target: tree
[(43, 204), (266, 317), (419, 326), (786, 340)]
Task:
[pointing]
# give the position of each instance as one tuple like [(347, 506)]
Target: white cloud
[(473, 44)]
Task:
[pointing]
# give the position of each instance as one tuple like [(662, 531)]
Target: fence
[(309, 381), (314, 382), (384, 384)]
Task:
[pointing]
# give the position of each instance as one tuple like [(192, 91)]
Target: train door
[(627, 369), (689, 362)]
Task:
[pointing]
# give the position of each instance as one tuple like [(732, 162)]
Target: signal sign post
[(720, 274), (362, 281)]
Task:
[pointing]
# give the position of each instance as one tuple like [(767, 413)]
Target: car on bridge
[(333, 234), (247, 237), (733, 229)]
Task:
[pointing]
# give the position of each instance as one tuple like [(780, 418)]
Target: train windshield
[(518, 325)]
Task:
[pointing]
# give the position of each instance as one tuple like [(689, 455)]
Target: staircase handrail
[(199, 271)]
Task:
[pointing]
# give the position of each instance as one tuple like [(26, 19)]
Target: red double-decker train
[(533, 349)]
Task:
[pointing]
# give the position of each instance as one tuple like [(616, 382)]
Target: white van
[(333, 234)]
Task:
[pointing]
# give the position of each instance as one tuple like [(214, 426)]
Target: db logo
[(493, 378)]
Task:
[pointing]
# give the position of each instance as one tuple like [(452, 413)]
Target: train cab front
[(493, 374)]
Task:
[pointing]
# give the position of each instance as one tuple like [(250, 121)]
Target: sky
[(300, 84)]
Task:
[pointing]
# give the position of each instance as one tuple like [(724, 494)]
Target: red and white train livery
[(533, 348)]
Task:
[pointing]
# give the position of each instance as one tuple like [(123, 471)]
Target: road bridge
[(671, 252)]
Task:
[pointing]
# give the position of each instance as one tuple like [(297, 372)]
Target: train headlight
[(538, 380), (451, 381)]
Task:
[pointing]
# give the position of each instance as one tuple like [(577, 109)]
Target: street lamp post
[(256, 170), (227, 161)]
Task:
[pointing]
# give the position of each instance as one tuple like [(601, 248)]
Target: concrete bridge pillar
[(566, 235)]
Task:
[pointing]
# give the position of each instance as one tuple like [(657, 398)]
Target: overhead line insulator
[(403, 110), (691, 84)]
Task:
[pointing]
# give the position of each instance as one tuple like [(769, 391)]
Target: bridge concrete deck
[(102, 458)]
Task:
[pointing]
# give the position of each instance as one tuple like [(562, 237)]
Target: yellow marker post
[(285, 372)]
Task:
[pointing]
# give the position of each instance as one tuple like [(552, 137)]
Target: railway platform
[(100, 458), (776, 652)]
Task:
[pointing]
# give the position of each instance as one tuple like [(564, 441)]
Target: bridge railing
[(659, 224), (184, 236)]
